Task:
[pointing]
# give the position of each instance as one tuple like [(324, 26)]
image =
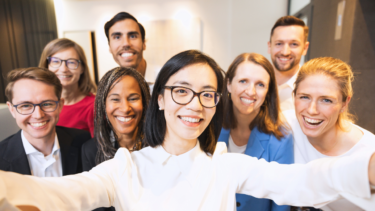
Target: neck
[(327, 143), (126, 140), (142, 67), (72, 95), (43, 145), (241, 133), (284, 76), (178, 146)]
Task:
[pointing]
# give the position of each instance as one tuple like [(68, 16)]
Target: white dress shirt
[(305, 152), (285, 93), (40, 165), (152, 179)]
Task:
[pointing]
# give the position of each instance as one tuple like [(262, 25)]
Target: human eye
[(25, 106), (243, 81), (180, 91), (114, 99), (133, 99), (55, 61), (133, 36), (261, 85), (48, 104), (208, 95), (327, 100), (304, 97), (294, 44), (278, 43)]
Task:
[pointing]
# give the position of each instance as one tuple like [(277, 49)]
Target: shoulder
[(368, 137), (77, 135), (90, 146), (224, 135), (4, 143), (90, 98)]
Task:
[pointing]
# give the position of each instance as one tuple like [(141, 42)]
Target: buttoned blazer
[(13, 156), (268, 147)]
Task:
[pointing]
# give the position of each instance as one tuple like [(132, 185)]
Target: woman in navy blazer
[(252, 123)]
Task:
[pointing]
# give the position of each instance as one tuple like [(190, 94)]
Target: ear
[(307, 44), (345, 105), (11, 109), (269, 47), (229, 86), (161, 102), (144, 45), (61, 104)]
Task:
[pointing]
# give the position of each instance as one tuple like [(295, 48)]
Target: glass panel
[(305, 19), (297, 5)]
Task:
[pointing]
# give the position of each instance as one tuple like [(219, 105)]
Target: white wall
[(230, 27)]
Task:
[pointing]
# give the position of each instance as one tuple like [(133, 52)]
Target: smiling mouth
[(64, 76), (190, 119), (126, 54), (38, 124), (314, 122), (285, 59), (247, 101), (124, 119)]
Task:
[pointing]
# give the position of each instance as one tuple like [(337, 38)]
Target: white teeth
[(126, 54), (284, 59), (38, 124), (247, 100), (313, 121), (123, 119), (189, 119)]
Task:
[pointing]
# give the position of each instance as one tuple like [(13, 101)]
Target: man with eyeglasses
[(40, 148)]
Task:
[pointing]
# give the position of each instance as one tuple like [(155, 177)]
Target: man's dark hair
[(290, 21), (155, 124), (122, 16)]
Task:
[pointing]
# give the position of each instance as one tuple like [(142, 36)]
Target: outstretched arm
[(371, 171), (314, 184)]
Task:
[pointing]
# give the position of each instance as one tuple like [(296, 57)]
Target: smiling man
[(288, 43), (126, 39), (39, 148)]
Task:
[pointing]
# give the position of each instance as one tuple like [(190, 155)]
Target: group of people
[(167, 151)]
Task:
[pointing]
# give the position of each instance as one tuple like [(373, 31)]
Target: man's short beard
[(284, 69)]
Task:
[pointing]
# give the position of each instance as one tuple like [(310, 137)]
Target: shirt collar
[(162, 156), (29, 149), (290, 82)]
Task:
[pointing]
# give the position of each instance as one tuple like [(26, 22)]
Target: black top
[(89, 150), (13, 156)]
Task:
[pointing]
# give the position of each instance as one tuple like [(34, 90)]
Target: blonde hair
[(85, 83), (338, 70)]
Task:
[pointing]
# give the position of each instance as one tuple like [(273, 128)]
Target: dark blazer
[(13, 156), (89, 150)]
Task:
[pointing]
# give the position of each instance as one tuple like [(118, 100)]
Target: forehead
[(32, 91), (124, 26), (320, 85), (125, 85), (286, 33), (197, 75), (66, 53), (251, 70)]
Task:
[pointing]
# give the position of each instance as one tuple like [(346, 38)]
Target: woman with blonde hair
[(321, 122), (68, 61)]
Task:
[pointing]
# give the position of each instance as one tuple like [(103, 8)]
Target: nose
[(285, 50), (312, 109), (38, 113), (63, 67), (251, 89), (126, 42), (125, 106), (195, 104)]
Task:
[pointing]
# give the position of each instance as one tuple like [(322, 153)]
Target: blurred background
[(222, 29)]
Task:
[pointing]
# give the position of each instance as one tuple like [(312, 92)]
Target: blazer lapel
[(16, 156), (68, 154), (254, 147), (224, 136)]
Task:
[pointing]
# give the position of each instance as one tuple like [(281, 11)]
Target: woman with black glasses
[(184, 168), (68, 61)]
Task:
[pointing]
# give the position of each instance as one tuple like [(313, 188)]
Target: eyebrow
[(115, 34), (133, 33), (32, 102), (188, 84), (324, 96)]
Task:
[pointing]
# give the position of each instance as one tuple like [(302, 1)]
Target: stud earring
[(160, 108)]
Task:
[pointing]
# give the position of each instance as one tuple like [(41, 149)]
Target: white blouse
[(152, 179), (305, 152)]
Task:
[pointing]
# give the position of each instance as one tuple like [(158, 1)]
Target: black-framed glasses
[(69, 63), (182, 96), (28, 108)]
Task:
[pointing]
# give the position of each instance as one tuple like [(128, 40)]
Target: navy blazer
[(13, 156), (268, 147)]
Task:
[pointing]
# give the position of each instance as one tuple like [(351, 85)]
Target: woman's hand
[(371, 170)]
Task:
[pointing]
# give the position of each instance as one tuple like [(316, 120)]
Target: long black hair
[(155, 120), (103, 127)]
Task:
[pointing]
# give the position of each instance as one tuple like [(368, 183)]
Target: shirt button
[(238, 204)]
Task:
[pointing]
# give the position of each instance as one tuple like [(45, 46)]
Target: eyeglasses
[(28, 108), (70, 63), (182, 96)]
